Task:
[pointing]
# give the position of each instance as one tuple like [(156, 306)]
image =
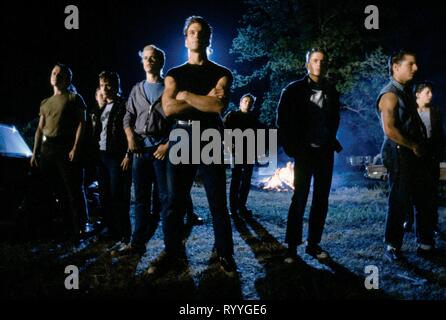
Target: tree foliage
[(359, 99), (274, 36)]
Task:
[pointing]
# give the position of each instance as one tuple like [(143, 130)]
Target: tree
[(275, 35), (359, 100)]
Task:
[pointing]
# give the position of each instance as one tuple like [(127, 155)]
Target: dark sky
[(111, 34), (109, 37)]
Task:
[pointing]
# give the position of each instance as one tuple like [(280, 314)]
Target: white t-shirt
[(104, 120), (317, 98), (426, 118)]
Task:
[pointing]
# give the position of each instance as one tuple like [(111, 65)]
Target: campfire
[(281, 180)]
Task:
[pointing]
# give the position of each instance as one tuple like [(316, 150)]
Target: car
[(379, 172), (15, 156), (376, 172), (29, 210)]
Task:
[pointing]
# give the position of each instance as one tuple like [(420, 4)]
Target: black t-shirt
[(198, 79), (240, 120)]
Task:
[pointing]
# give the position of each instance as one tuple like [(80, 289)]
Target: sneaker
[(194, 220), (160, 264), (165, 262), (127, 249), (289, 259), (393, 254), (317, 252), (291, 255), (228, 265), (426, 253)]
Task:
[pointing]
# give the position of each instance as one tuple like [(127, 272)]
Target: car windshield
[(12, 143)]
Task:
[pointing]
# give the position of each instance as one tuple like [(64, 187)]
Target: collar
[(399, 86), (314, 85)]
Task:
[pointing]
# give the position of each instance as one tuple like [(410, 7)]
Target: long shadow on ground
[(298, 280)]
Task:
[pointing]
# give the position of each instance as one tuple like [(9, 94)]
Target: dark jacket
[(240, 120), (116, 138), (243, 121), (146, 119), (294, 110), (437, 139)]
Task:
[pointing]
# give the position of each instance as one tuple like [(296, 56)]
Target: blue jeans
[(240, 186), (147, 171), (156, 204), (114, 186), (180, 179), (410, 182)]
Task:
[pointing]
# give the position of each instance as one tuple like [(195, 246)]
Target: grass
[(353, 235)]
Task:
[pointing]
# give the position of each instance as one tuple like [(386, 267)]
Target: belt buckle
[(185, 122)]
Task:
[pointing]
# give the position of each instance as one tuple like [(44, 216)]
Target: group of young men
[(131, 144)]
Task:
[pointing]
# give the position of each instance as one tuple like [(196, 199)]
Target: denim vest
[(407, 119)]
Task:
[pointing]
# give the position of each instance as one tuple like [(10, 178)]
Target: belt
[(62, 140), (184, 122)]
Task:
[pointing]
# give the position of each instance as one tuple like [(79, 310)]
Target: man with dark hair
[(432, 120), (403, 153), (196, 92), (205, 33), (307, 121), (397, 57), (241, 172), (113, 159), (57, 142), (147, 134)]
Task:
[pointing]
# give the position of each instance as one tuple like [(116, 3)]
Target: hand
[(126, 163), (216, 92), (418, 150), (182, 95), (33, 162), (133, 146), (72, 156), (161, 151)]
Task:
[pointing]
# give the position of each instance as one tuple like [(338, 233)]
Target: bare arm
[(215, 101), (170, 103), (79, 132), (387, 107), (37, 141)]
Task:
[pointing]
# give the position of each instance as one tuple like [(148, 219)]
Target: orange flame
[(281, 180)]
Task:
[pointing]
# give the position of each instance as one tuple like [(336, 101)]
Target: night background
[(263, 43)]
